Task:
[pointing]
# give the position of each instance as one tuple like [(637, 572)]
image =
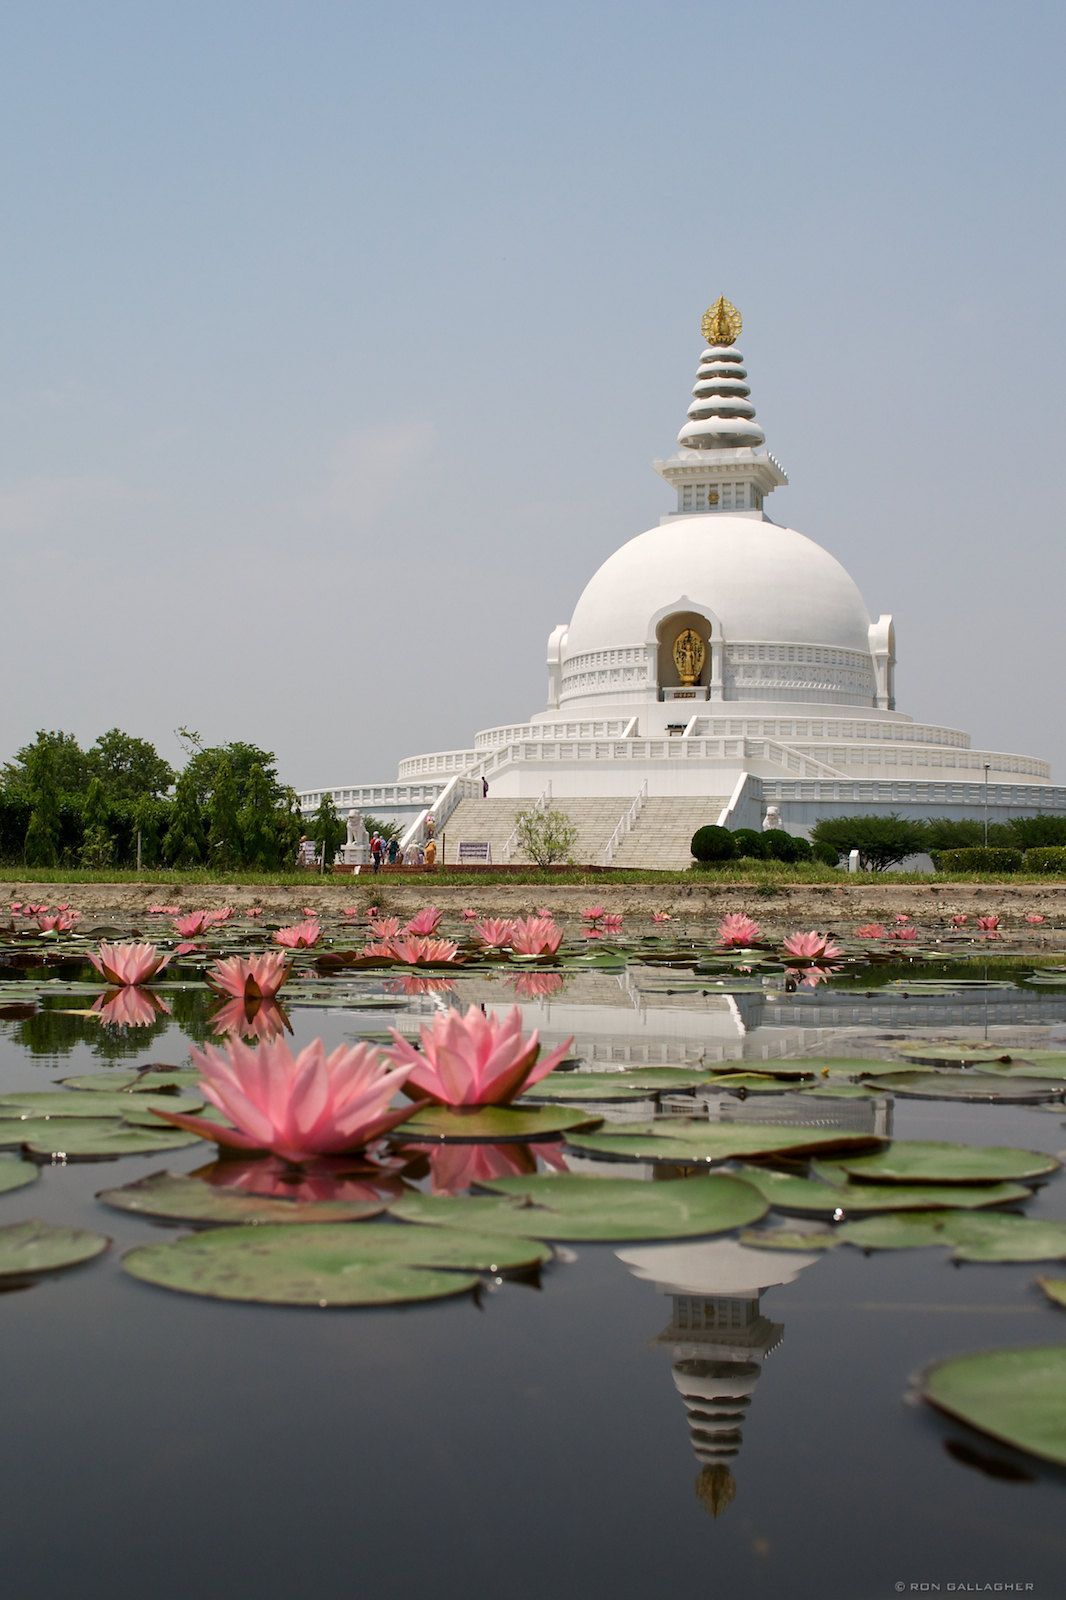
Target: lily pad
[(1055, 1289), (1048, 1068), (976, 1086), (805, 1197), (682, 1141), (1015, 1396), (770, 1069), (88, 1139), (68, 1103), (16, 1173), (180, 1199), (155, 1080), (931, 1054), (491, 1123), (331, 1265), (983, 1238), (751, 1083), (788, 1239), (633, 1084), (843, 1066), (572, 1206), (934, 1162), (29, 1248)]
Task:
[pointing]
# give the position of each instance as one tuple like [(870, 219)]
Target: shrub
[(779, 845), (747, 842), (546, 836), (979, 858), (825, 852), (712, 843), (1032, 833), (881, 841), (1047, 858)]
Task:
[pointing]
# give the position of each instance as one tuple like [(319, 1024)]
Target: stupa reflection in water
[(718, 1339)]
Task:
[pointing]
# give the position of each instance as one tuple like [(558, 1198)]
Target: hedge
[(1046, 858), (712, 843), (981, 858)]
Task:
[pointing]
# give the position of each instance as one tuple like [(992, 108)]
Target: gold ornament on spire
[(722, 322)]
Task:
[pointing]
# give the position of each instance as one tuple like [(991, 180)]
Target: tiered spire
[(721, 417)]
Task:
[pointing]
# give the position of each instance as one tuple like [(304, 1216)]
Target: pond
[(637, 1415)]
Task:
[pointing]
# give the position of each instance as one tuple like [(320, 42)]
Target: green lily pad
[(572, 1206), (976, 1086), (769, 1069), (845, 1066), (750, 1083), (16, 1173), (29, 1248), (983, 1238), (835, 1091), (68, 1103), (635, 1084), (683, 1141), (1055, 1289), (88, 1139), (491, 1123), (805, 1197), (156, 1080), (1046, 1068), (932, 1054), (928, 1161), (788, 1239), (374, 1263), (180, 1199), (1015, 1396)]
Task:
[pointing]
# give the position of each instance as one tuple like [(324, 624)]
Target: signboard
[(475, 850)]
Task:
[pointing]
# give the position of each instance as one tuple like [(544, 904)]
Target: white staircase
[(662, 834), (492, 821)]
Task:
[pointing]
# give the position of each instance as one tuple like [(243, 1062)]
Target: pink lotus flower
[(544, 911), (425, 922), (476, 1060), (660, 916), (495, 932), (737, 929), (415, 952), (371, 913), (33, 908), (250, 977), (123, 964), (254, 911), (1033, 919), (988, 924), (612, 922), (251, 1019), (810, 977), (469, 914), (192, 923), (811, 946), (310, 911), (349, 911), (902, 917), (535, 936), (311, 1104), (300, 936), (129, 1007), (164, 911), (16, 905), (537, 985), (593, 913), (870, 930), (908, 935), (216, 917), (187, 947), (959, 920), (58, 922), (385, 927)]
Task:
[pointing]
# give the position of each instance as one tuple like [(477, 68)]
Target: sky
[(337, 341)]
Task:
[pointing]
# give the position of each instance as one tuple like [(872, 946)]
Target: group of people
[(386, 853)]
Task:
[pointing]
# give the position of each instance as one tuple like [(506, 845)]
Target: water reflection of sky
[(542, 1441)]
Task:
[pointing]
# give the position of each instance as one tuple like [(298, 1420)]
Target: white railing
[(455, 790), (510, 844), (438, 761), (625, 823), (369, 796)]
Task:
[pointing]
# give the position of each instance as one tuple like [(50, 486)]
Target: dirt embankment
[(810, 904)]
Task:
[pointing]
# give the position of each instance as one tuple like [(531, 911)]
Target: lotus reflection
[(250, 1019), (129, 1007), (537, 985), (411, 985), (453, 1168), (337, 1179), (718, 1339)]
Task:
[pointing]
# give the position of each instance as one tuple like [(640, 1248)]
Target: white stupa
[(715, 667)]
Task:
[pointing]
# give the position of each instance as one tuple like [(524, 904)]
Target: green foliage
[(826, 853), (387, 830), (880, 841), (1046, 858), (184, 841), (712, 843), (1030, 833), (978, 858), (223, 839), (327, 829), (945, 833), (779, 845), (149, 817), (748, 842), (242, 759), (127, 767), (54, 760), (546, 836)]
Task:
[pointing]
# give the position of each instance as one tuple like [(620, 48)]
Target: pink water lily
[(959, 920), (495, 933), (58, 921), (902, 917), (988, 924), (811, 946), (414, 952), (474, 1060), (254, 911), (425, 922), (385, 927), (300, 936), (164, 911), (191, 924), (252, 1019), (535, 936), (129, 1007), (296, 1106), (249, 977), (738, 929), (660, 916), (593, 913), (1034, 919), (908, 935), (123, 964), (871, 930), (468, 914), (611, 922)]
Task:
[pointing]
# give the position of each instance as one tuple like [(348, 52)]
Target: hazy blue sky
[(337, 339)]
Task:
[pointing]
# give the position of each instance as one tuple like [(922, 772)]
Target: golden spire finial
[(722, 322)]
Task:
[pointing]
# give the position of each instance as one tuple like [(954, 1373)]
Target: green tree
[(256, 822), (882, 842), (1033, 833), (128, 767), (149, 817), (42, 833), (387, 830), (327, 829), (224, 829), (288, 826), (546, 836), (241, 758), (54, 760), (98, 844), (184, 842)]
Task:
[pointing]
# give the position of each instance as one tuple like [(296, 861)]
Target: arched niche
[(663, 630), (668, 631)]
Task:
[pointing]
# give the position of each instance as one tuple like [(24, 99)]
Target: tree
[(223, 827), (148, 817), (42, 834), (327, 829), (183, 845), (241, 758), (387, 830), (53, 759), (98, 845), (546, 836), (128, 767), (257, 822), (1031, 833), (882, 842)]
